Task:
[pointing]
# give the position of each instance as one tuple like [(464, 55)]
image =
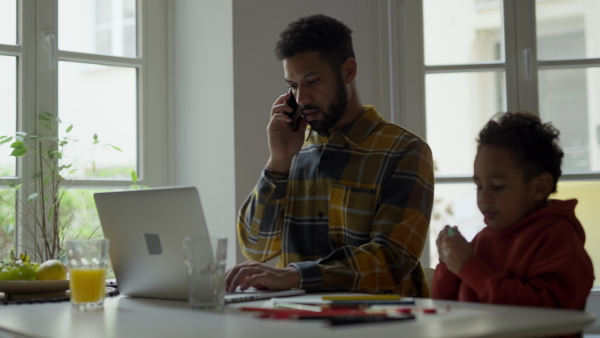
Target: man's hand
[(284, 143), (261, 277), (453, 248)]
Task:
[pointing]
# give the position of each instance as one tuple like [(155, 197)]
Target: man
[(345, 200)]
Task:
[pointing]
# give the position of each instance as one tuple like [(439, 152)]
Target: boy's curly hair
[(534, 143), (316, 33)]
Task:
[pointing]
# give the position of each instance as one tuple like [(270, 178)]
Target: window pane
[(462, 31), (80, 216), (98, 26), (8, 111), (99, 100), (8, 22), (7, 221), (587, 194), (568, 98), (458, 105), (567, 29), (456, 204)]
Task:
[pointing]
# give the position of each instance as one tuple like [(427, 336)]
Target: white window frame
[(38, 89)]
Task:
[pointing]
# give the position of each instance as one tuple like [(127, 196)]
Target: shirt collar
[(357, 131)]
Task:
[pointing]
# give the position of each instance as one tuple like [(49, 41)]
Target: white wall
[(202, 113), (226, 78)]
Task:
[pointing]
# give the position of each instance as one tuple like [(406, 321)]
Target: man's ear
[(542, 186), (348, 70)]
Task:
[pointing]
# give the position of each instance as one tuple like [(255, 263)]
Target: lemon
[(51, 270)]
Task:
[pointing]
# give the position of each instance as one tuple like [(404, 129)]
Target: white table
[(136, 317)]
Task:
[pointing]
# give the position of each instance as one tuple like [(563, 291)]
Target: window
[(490, 65), (480, 57), (93, 65)]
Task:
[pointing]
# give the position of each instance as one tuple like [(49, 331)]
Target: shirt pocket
[(351, 213)]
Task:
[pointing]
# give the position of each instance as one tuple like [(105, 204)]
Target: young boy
[(531, 252)]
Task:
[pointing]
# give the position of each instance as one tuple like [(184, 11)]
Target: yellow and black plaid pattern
[(353, 214)]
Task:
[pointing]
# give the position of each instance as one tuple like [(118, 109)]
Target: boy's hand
[(453, 248), (447, 231)]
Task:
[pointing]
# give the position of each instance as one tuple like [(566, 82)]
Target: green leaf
[(70, 128), (8, 229), (63, 143), (46, 181), (21, 133), (13, 185), (34, 137), (18, 152), (50, 213), (6, 140), (134, 176), (44, 118), (17, 144), (32, 197), (54, 154), (50, 116), (116, 148), (96, 139)]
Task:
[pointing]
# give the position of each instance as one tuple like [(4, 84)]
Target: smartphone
[(295, 115)]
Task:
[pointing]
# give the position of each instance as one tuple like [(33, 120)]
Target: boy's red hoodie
[(540, 261)]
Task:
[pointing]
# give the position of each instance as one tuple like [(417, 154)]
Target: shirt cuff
[(271, 189), (311, 278)]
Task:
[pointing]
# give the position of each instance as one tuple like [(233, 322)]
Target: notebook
[(146, 229)]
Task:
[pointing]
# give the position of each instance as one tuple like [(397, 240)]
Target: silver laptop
[(146, 229)]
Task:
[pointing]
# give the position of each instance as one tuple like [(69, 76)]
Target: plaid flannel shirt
[(352, 215)]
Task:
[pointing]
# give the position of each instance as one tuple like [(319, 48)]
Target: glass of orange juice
[(87, 263)]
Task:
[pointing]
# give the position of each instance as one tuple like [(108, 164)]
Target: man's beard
[(334, 112)]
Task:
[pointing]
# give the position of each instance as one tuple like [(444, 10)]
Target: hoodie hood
[(554, 209)]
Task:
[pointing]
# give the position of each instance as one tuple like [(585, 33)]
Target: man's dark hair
[(535, 144), (317, 33)]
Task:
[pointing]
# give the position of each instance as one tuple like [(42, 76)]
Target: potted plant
[(41, 212)]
